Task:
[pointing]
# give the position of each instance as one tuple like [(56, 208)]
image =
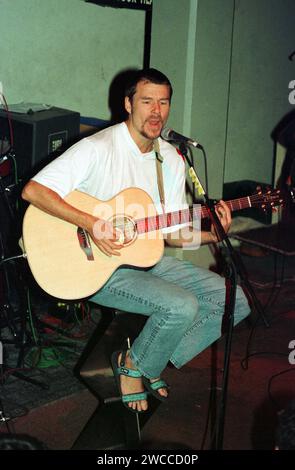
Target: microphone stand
[(234, 268)]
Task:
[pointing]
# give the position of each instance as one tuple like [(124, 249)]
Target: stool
[(111, 426)]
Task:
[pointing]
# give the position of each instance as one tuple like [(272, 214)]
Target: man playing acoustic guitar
[(184, 303)]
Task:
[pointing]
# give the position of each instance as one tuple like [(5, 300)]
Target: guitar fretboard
[(170, 219)]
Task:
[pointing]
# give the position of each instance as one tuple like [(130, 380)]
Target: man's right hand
[(105, 237)]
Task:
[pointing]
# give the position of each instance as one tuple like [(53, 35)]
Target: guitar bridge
[(84, 242)]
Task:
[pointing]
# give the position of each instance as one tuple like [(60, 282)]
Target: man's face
[(148, 111)]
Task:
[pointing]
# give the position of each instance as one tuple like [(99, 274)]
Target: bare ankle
[(128, 361)]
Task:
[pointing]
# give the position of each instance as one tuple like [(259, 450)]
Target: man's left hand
[(224, 215)]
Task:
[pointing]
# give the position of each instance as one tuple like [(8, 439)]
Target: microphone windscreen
[(165, 133)]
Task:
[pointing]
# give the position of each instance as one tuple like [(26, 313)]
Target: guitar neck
[(234, 205), (170, 219)]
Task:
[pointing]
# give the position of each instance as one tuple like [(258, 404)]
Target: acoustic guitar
[(67, 264)]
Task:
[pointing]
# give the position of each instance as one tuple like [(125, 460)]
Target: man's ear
[(128, 105)]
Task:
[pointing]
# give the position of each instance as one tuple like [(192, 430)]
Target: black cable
[(12, 257), (276, 290), (206, 170), (191, 163), (274, 284), (229, 85), (3, 417), (6, 108), (24, 411), (270, 302), (263, 353), (248, 354)]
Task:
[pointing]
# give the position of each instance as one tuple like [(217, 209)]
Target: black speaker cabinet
[(39, 137)]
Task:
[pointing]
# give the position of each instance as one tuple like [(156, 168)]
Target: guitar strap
[(159, 161)]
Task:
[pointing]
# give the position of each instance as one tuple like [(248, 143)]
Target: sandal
[(123, 370), (153, 387)]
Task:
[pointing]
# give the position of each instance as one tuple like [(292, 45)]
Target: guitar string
[(159, 219)]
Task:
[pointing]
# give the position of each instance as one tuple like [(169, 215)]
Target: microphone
[(170, 134)]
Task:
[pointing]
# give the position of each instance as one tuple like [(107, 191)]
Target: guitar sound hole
[(125, 228)]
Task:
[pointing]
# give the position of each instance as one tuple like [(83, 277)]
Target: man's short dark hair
[(285, 439), (146, 75)]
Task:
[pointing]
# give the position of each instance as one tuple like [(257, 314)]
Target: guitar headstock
[(268, 199)]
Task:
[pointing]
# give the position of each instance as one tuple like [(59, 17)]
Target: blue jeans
[(184, 304)]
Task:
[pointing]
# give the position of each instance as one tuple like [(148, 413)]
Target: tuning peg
[(258, 189)]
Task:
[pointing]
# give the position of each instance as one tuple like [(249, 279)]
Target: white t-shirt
[(109, 161)]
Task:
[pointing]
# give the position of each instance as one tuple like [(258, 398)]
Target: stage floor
[(57, 416)]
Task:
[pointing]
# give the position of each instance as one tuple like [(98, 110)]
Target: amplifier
[(39, 136)]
